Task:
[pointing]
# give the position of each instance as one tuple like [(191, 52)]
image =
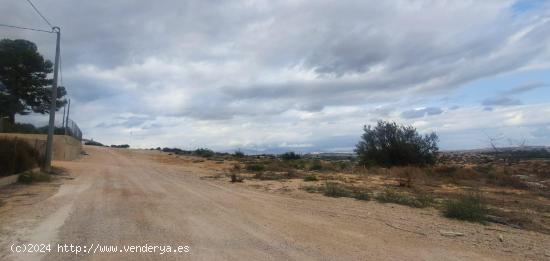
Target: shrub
[(316, 166), (238, 154), (543, 173), (407, 175), (311, 189), (389, 144), (504, 179), (203, 152), (361, 194), (445, 170), (255, 167), (236, 178), (122, 146), (269, 176), (390, 196), (466, 207), (17, 156), (336, 190), (456, 173), (291, 174), (310, 178), (290, 156), (425, 200), (31, 177), (93, 143)]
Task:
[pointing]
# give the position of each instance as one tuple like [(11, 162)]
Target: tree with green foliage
[(389, 144), (291, 155), (239, 154), (24, 83)]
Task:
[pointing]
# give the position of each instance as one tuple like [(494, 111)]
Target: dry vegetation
[(514, 194)]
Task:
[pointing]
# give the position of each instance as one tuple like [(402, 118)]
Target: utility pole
[(67, 119), (63, 124), (53, 104)]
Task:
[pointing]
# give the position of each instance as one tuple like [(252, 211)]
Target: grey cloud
[(331, 38), (502, 101), (86, 90), (382, 111), (253, 59), (127, 121), (418, 113), (525, 88)]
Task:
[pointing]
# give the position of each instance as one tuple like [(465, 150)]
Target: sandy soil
[(128, 197)]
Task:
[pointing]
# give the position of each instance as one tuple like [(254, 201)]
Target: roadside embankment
[(64, 147)]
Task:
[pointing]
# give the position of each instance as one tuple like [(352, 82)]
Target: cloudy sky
[(298, 75)]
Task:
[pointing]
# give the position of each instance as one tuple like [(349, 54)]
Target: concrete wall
[(64, 147)]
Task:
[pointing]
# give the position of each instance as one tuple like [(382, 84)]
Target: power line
[(25, 28), (40, 14)]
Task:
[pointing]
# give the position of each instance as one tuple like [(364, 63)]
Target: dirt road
[(125, 198)]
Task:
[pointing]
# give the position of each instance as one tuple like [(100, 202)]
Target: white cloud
[(262, 73)]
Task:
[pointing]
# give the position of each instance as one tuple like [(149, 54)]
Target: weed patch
[(504, 179), (466, 207), (310, 178), (255, 167), (269, 176), (391, 196), (311, 189), (361, 194), (336, 190), (316, 166)]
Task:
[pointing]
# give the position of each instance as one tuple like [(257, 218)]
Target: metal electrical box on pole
[(53, 105)]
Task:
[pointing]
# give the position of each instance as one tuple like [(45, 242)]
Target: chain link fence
[(72, 129), (67, 127)]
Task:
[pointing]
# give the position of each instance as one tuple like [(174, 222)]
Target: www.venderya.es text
[(99, 249)]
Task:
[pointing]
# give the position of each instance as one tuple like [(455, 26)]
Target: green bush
[(389, 144), (31, 177), (361, 194), (391, 196), (337, 190), (290, 156), (121, 146), (255, 167), (239, 154), (466, 207), (17, 156), (310, 178), (93, 143), (203, 152)]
